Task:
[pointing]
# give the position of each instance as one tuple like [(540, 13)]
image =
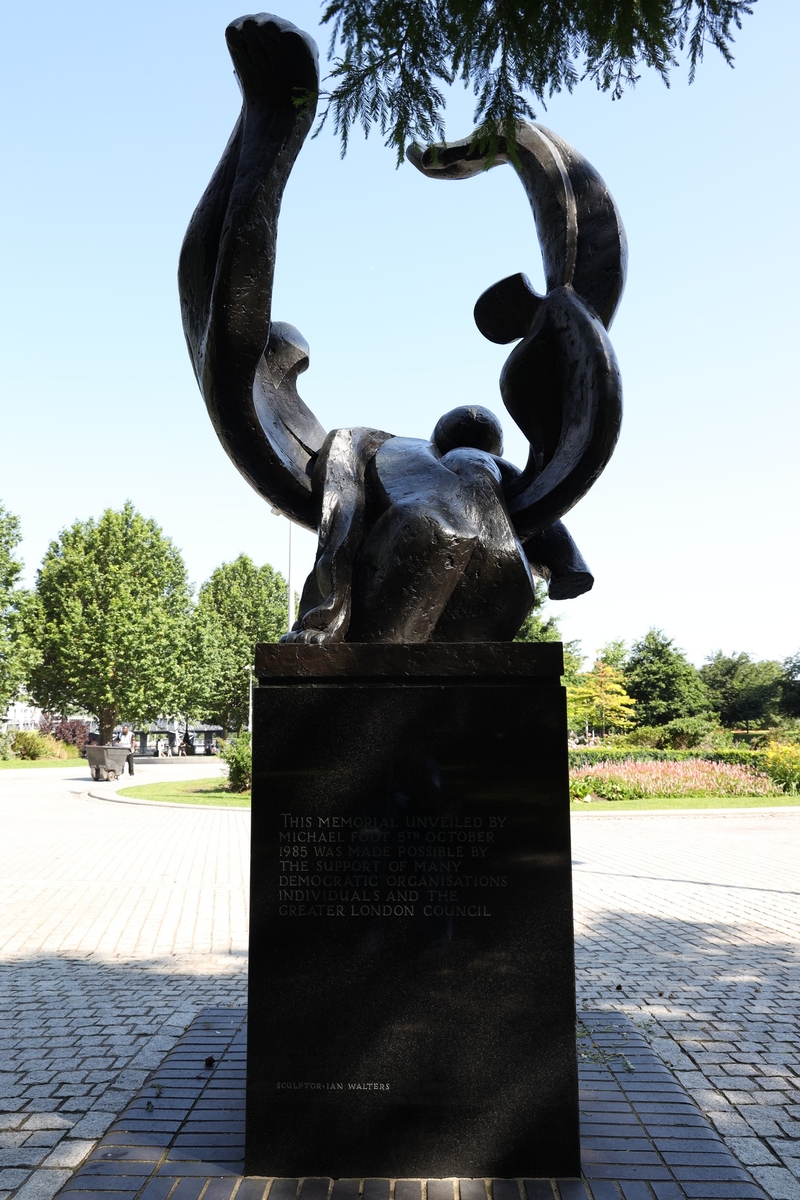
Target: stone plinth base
[(411, 1003)]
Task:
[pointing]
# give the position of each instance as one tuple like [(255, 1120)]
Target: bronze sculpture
[(418, 540)]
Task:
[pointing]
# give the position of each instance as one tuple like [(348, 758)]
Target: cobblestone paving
[(119, 923), (690, 924)]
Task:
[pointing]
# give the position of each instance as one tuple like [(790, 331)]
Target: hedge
[(589, 756)]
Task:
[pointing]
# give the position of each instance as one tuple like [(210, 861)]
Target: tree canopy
[(742, 691), (597, 699), (790, 686), (17, 653), (662, 681), (392, 58), (541, 625), (239, 605), (113, 604)]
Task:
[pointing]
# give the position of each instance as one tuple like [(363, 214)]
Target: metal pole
[(250, 705), (290, 588)]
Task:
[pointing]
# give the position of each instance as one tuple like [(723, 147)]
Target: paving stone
[(43, 1185), (751, 1150), (70, 1153), (10, 1179), (780, 1183), (92, 1125), (22, 1156), (103, 965)]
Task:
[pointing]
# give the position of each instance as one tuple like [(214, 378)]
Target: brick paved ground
[(690, 924), (642, 1138), (119, 923)]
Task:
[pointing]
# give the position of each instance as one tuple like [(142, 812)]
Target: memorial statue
[(418, 540)]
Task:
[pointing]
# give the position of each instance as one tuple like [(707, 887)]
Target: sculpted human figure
[(417, 540)]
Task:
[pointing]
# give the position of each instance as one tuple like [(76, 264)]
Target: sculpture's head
[(469, 425)]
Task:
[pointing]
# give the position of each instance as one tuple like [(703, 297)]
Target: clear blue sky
[(113, 120)]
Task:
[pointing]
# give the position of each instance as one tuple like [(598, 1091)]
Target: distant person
[(126, 739)]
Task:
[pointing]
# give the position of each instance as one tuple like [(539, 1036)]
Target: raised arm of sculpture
[(561, 384), (246, 365), (417, 539)]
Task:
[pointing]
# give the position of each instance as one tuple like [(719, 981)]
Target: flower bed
[(691, 777)]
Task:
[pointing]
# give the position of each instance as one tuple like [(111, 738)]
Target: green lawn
[(213, 791), (14, 764), (189, 791), (661, 803)]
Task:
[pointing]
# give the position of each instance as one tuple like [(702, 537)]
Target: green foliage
[(614, 654), (27, 743), (238, 757), (783, 766), (663, 682), (30, 745), (790, 686), (17, 650), (539, 626), (604, 787), (392, 60), (787, 733), (112, 608), (241, 604), (684, 733), (587, 756), (7, 746), (742, 691), (542, 626), (598, 700)]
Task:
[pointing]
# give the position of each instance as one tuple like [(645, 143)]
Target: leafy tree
[(17, 650), (541, 626), (614, 654), (113, 606), (598, 699), (742, 691), (662, 681), (790, 686), (240, 605), (392, 59)]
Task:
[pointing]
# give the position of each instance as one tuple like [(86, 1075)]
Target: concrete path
[(119, 923)]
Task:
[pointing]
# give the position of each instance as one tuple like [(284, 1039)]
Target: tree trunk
[(108, 719)]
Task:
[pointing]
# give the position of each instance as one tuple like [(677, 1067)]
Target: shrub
[(785, 734), (783, 764), (683, 733), (238, 757), (687, 777), (7, 746), (586, 756), (602, 785), (73, 733), (29, 745)]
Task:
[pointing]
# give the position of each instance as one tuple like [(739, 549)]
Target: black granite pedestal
[(411, 996)]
